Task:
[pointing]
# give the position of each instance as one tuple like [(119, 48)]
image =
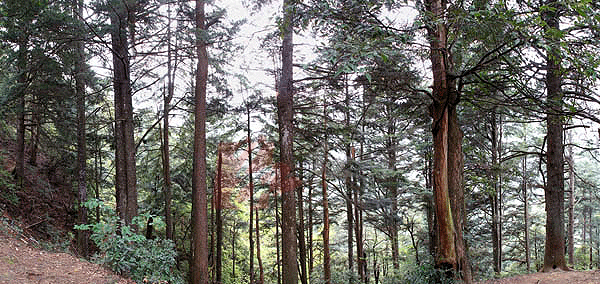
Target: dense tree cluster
[(379, 139)]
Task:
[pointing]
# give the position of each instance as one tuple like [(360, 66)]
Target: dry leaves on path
[(20, 264)]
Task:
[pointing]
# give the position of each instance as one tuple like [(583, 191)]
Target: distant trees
[(384, 143)]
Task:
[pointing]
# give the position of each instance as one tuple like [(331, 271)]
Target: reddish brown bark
[(447, 149)]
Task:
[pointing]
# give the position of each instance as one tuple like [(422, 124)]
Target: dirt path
[(557, 277), (21, 263)]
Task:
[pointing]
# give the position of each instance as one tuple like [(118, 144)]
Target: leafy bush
[(7, 186), (131, 254), (422, 274)]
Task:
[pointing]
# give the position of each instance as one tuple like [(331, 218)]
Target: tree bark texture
[(554, 252), (285, 113), (82, 235), (199, 267), (125, 168), (447, 156)]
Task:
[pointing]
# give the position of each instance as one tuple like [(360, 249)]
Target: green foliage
[(419, 274), (128, 253), (7, 186)]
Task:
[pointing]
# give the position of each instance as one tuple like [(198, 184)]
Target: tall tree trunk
[(495, 194), (125, 170), (446, 253), (325, 232), (348, 181), (219, 218), (300, 228), (391, 184), (82, 235), (456, 189), (277, 226), (22, 82), (285, 113), (526, 213), (251, 199), (554, 253), (199, 267), (360, 257), (571, 224), (166, 157), (261, 272), (448, 157), (310, 227)]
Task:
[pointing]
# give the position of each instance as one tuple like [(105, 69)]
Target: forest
[(305, 141)]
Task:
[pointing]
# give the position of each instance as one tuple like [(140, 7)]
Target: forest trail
[(556, 277), (22, 263)]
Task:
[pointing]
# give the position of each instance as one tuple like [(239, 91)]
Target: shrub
[(423, 274), (131, 254)]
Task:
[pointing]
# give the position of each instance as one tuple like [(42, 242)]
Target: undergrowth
[(130, 254)]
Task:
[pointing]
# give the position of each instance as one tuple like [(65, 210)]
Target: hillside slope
[(21, 262)]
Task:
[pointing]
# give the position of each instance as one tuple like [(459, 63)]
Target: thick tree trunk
[(446, 253), (125, 171), (326, 256), (456, 189), (447, 156), (199, 266), (285, 113), (82, 236), (554, 253)]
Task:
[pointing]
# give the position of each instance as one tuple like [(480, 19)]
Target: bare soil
[(555, 277), (22, 263)]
